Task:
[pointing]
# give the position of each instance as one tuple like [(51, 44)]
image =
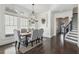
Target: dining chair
[(33, 37), (18, 39), (40, 34), (23, 30)]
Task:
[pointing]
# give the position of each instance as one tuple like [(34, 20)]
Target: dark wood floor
[(54, 46), (49, 46)]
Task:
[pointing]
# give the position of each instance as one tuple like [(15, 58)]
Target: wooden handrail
[(68, 24), (68, 27)]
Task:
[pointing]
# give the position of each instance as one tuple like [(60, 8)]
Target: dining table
[(26, 34)]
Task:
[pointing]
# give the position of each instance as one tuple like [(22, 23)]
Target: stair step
[(73, 36), (74, 23), (72, 39), (73, 33), (74, 27)]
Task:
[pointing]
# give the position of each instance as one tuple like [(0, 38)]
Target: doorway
[(61, 22)]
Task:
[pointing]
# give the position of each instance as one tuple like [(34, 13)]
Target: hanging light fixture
[(33, 15)]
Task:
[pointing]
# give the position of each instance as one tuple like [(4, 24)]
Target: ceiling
[(39, 8)]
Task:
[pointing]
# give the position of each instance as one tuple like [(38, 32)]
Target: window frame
[(9, 25), (18, 17)]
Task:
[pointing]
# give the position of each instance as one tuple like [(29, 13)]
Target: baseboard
[(50, 37), (7, 44), (6, 40)]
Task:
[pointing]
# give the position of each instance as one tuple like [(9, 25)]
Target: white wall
[(53, 22), (49, 24), (2, 22), (78, 26), (45, 26)]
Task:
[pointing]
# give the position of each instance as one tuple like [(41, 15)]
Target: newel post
[(62, 38)]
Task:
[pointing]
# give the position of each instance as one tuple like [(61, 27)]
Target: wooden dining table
[(26, 35)]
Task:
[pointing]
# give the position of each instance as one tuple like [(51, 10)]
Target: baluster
[(69, 27)]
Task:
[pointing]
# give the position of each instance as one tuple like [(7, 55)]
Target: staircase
[(72, 36)]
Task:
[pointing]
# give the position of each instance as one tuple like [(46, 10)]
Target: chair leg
[(41, 38), (39, 41), (15, 43), (18, 45), (36, 41), (31, 43)]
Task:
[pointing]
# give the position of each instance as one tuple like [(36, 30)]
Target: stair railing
[(66, 28)]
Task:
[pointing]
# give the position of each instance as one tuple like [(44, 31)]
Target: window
[(23, 22), (10, 24)]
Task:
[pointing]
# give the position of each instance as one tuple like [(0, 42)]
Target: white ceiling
[(39, 8), (62, 7)]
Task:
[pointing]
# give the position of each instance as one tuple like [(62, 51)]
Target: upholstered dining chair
[(18, 39), (23, 30), (40, 34), (33, 37)]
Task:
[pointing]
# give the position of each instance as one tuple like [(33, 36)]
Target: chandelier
[(33, 15)]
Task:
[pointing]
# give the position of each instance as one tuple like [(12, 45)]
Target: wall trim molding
[(50, 36)]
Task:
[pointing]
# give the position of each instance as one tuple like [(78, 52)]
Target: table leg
[(26, 42)]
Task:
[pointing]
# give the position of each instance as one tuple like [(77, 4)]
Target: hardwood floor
[(49, 46), (53, 46)]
